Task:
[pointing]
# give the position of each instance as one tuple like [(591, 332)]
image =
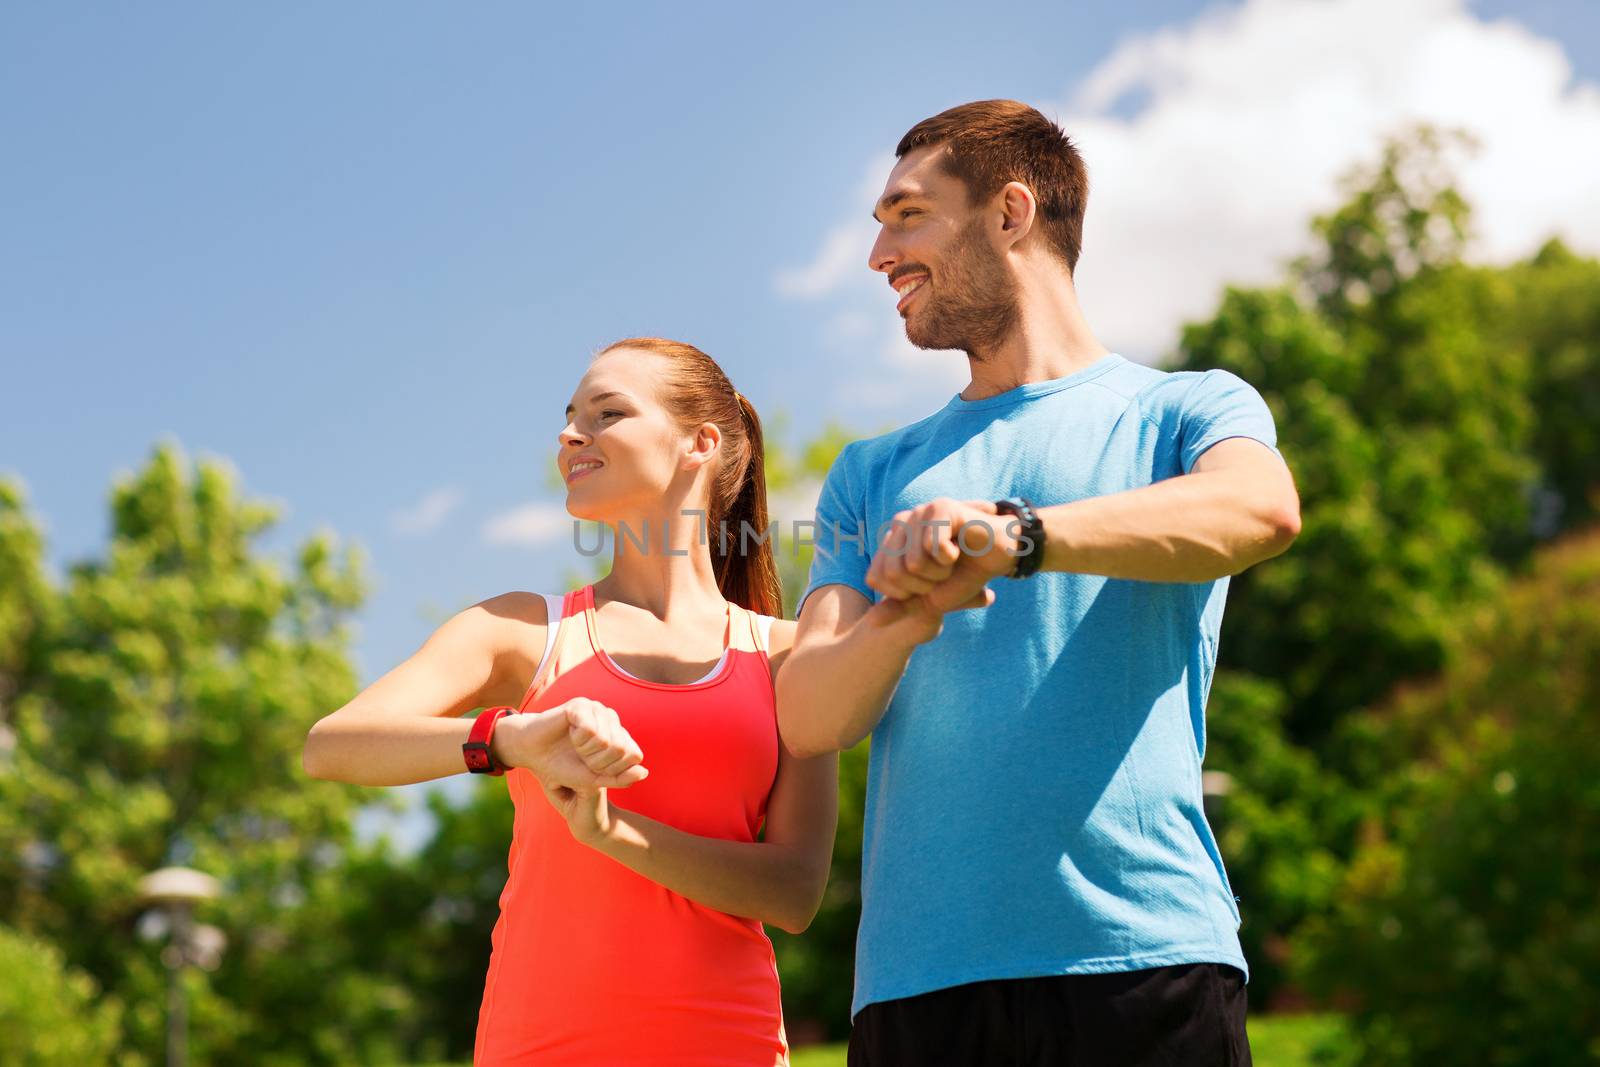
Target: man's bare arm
[(847, 659), (1236, 507)]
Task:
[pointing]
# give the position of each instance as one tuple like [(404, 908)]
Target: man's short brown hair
[(991, 142)]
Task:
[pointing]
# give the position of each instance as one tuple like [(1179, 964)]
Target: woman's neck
[(663, 564)]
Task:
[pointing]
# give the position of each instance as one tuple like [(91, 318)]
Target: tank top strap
[(743, 633), (566, 630), (754, 627)]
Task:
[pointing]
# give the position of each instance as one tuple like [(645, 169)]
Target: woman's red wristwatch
[(476, 749)]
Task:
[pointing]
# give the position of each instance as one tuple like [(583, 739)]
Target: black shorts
[(1189, 1015)]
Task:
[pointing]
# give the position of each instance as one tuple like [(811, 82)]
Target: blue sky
[(363, 251)]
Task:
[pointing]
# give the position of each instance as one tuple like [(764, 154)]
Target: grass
[(1275, 1041), (1292, 1040)]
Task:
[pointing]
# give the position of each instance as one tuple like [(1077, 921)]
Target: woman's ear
[(703, 446)]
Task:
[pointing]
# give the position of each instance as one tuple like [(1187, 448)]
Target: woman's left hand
[(588, 814)]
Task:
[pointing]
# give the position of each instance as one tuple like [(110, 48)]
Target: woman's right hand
[(580, 745)]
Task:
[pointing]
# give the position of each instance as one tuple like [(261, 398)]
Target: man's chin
[(923, 340)]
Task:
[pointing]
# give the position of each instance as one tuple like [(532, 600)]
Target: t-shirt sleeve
[(1223, 405), (842, 552)]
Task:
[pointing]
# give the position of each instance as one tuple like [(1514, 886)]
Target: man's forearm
[(1193, 528), (832, 691)]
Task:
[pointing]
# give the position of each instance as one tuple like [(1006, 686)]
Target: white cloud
[(1253, 113), (1250, 114), (842, 259), (863, 321), (426, 514), (531, 524)]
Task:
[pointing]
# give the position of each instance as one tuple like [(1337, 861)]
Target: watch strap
[(475, 750), (1029, 562)]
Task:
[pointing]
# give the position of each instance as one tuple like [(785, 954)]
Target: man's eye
[(908, 212)]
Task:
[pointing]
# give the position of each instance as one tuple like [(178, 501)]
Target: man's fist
[(945, 551)]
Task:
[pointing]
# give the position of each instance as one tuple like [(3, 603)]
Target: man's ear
[(1018, 210)]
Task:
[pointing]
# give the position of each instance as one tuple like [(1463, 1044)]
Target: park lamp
[(1214, 789), (172, 893)]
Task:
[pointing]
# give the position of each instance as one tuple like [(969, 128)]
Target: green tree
[(1551, 312), (1405, 384), (1284, 826), (446, 899), (159, 702), (1467, 929), (51, 1015), (1408, 425)]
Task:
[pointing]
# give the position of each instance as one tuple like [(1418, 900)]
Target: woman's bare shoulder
[(515, 623), (780, 638), (517, 606)]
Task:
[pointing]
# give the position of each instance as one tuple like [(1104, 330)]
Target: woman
[(648, 758)]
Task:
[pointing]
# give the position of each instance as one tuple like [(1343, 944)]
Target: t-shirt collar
[(1029, 390)]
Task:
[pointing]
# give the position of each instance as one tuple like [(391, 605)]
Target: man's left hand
[(945, 551)]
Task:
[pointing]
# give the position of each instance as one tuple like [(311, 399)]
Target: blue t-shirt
[(1033, 793)]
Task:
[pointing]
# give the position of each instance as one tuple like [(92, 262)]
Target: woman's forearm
[(393, 750), (755, 880)]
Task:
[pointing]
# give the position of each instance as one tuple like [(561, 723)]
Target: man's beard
[(972, 305)]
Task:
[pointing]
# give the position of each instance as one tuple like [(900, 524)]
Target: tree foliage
[(51, 1014), (1440, 419), (1409, 426), (1467, 927), (159, 701)]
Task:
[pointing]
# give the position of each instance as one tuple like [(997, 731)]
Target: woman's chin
[(586, 510)]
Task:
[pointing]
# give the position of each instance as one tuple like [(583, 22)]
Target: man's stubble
[(973, 305)]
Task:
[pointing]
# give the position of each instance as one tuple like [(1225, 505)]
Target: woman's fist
[(608, 750), (580, 745)]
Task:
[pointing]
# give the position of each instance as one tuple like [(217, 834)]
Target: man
[(1039, 882)]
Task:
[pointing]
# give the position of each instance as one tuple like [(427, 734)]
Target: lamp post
[(173, 893), (1214, 789), (1215, 784)]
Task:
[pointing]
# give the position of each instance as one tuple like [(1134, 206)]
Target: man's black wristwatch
[(1029, 561)]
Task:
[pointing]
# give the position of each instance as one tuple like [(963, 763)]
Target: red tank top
[(593, 964)]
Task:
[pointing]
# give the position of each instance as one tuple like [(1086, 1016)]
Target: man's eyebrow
[(595, 400), (891, 200)]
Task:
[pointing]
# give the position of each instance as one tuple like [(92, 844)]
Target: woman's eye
[(603, 414)]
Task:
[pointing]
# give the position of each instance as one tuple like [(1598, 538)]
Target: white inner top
[(553, 614)]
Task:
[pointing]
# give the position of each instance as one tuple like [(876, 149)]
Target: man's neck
[(1052, 340)]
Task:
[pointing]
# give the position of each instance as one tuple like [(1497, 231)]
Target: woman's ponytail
[(747, 573)]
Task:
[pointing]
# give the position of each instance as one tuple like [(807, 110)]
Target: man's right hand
[(580, 745), (916, 616)]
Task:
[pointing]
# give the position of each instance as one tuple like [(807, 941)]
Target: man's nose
[(881, 257)]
